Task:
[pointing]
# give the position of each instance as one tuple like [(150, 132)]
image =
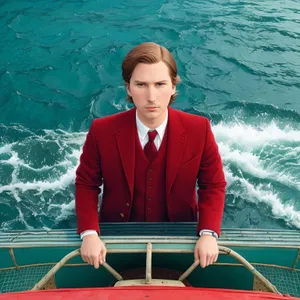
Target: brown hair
[(149, 53)]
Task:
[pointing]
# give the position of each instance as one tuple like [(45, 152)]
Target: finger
[(91, 260), (211, 260), (196, 254), (203, 260), (88, 260), (207, 260), (101, 258), (83, 258), (104, 254), (96, 262), (216, 258)]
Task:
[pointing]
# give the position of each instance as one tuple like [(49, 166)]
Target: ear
[(128, 88)]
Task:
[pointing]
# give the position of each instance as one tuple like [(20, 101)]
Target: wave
[(262, 160), (258, 194)]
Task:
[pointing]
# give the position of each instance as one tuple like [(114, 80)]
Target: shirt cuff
[(87, 232), (209, 232)]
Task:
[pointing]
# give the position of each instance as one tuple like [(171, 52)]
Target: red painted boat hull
[(142, 292)]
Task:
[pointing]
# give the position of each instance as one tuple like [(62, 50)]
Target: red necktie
[(150, 148)]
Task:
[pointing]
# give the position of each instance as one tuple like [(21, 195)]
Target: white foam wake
[(243, 135), (264, 194), (266, 153)]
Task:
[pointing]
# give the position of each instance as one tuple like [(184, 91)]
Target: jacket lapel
[(126, 146), (176, 145)]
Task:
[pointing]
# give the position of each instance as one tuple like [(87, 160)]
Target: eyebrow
[(138, 81)]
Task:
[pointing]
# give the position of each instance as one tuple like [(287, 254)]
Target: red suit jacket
[(108, 157)]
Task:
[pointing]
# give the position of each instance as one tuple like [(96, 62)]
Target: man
[(148, 160)]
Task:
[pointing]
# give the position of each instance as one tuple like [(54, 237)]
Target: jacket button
[(122, 215), (127, 204)]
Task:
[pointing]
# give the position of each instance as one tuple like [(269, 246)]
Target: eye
[(140, 84), (161, 83)]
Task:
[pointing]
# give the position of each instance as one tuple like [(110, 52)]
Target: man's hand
[(93, 250), (206, 250)]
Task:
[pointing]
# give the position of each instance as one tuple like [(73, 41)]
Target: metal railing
[(148, 276)]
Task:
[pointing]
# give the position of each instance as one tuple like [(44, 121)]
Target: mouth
[(151, 107)]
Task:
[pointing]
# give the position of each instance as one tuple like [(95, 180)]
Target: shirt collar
[(143, 129)]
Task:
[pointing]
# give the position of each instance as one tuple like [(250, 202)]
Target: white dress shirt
[(143, 137), (143, 132)]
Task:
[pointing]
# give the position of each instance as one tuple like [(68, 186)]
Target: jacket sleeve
[(87, 184), (211, 185)]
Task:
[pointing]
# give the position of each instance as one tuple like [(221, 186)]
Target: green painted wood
[(297, 257), (276, 256), (83, 277), (216, 276), (5, 259), (213, 276), (108, 230), (26, 256)]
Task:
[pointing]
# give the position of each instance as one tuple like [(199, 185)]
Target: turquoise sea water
[(60, 67)]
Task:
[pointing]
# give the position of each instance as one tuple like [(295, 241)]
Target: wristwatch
[(208, 232)]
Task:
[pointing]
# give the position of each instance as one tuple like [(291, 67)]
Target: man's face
[(151, 89)]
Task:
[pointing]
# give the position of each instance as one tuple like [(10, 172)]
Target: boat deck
[(285, 278), (232, 236)]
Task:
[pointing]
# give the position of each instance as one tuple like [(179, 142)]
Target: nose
[(151, 93)]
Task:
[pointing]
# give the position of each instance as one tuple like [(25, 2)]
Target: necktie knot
[(150, 148), (152, 135)]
